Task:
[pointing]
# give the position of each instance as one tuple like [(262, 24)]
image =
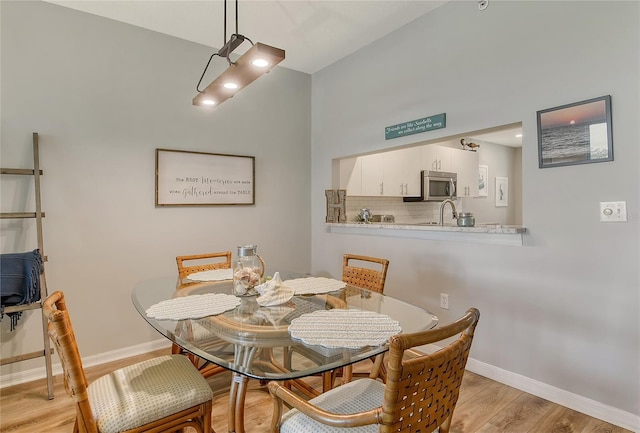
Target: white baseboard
[(559, 396), (90, 361), (576, 402)]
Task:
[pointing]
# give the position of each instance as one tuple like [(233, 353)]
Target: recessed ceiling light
[(518, 135)]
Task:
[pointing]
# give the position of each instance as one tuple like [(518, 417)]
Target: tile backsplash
[(409, 213)]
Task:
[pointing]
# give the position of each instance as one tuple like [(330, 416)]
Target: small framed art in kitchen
[(578, 133), (483, 180), (502, 191), (185, 178)]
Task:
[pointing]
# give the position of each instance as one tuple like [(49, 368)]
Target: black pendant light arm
[(229, 46), (204, 72)]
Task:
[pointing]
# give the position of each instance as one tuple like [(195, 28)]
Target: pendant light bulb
[(230, 85), (208, 102), (261, 63)]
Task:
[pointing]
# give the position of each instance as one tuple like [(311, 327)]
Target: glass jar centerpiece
[(248, 271)]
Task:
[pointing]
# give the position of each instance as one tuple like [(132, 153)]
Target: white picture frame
[(502, 191), (483, 181)]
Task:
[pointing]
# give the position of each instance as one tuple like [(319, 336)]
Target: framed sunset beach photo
[(577, 133)]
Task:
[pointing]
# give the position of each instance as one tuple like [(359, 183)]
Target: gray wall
[(562, 310), (103, 96)]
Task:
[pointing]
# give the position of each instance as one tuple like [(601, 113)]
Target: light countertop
[(481, 233)]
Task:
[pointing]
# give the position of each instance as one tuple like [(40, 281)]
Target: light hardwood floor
[(484, 406)]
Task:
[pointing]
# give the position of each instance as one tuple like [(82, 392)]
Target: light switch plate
[(613, 211)]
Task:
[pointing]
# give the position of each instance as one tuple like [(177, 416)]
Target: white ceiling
[(509, 136), (314, 34)]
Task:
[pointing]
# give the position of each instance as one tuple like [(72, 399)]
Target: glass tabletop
[(255, 341)]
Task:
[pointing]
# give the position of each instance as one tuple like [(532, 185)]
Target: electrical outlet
[(444, 301)]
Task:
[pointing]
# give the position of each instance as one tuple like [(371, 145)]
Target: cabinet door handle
[(406, 189), (381, 188), (401, 190)]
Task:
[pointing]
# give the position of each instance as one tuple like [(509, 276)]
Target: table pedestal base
[(238, 391)]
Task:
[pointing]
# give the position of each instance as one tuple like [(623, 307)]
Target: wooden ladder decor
[(38, 215)]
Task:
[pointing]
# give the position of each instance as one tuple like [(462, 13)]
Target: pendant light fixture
[(258, 60)]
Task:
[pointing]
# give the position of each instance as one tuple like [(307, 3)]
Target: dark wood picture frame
[(186, 178), (578, 133)]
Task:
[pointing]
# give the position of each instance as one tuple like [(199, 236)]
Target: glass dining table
[(273, 343)]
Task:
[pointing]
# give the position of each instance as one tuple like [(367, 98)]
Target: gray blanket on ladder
[(19, 281)]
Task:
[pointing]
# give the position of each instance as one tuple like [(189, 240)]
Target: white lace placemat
[(314, 285), (351, 329), (193, 307), (212, 275)]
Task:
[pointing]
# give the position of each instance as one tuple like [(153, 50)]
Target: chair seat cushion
[(357, 396), (147, 391)]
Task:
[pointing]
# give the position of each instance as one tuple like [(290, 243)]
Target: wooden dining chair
[(358, 271), (371, 277), (203, 262), (164, 394), (420, 393)]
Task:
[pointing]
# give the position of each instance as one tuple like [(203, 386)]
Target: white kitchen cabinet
[(373, 174), (396, 173), (449, 159), (466, 165), (391, 174), (401, 172), (351, 175), (437, 158)]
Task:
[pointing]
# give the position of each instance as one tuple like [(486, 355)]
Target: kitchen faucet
[(453, 210)]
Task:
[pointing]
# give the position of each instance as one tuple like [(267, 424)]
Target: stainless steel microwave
[(436, 186)]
